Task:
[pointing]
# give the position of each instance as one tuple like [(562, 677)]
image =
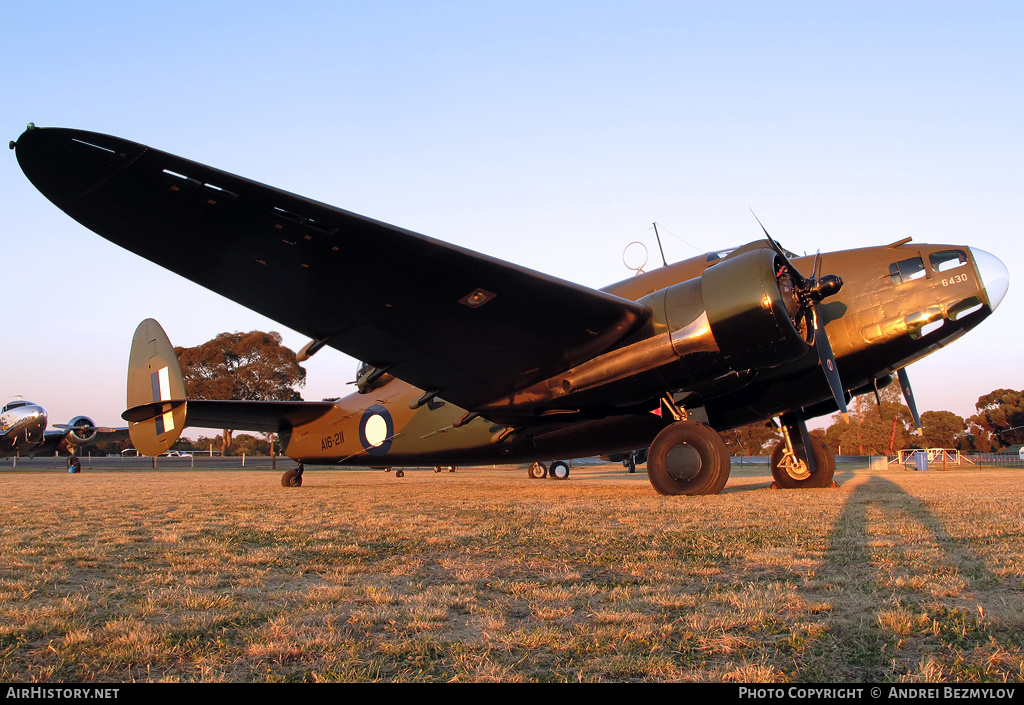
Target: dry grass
[(484, 575)]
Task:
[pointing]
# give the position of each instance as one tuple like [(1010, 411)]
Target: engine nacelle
[(369, 378), (82, 430), (747, 302), (741, 314)]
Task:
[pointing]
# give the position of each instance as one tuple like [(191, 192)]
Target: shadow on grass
[(890, 611)]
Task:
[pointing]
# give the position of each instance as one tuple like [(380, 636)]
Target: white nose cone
[(994, 276)]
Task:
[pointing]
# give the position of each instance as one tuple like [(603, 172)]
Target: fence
[(118, 462)]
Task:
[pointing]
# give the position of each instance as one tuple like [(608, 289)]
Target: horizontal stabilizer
[(156, 391)]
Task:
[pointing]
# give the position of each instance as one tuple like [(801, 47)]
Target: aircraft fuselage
[(22, 427), (897, 304)]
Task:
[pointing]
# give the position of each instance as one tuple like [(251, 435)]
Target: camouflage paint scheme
[(469, 359)]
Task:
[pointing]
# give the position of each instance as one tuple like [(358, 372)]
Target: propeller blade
[(817, 261), (878, 400), (828, 363), (908, 394), (798, 279), (811, 292)]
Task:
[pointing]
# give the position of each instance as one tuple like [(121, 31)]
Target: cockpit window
[(947, 259), (13, 405), (906, 270)]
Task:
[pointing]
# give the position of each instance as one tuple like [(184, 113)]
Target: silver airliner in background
[(23, 432)]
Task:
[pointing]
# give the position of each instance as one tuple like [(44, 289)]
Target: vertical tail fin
[(156, 391)]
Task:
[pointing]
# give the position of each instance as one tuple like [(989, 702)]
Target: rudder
[(156, 391)]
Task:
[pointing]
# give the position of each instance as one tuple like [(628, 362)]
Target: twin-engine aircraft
[(23, 432), (469, 359)]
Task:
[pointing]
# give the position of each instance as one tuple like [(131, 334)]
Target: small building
[(1016, 450)]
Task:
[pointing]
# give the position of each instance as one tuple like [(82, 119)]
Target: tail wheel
[(292, 478), (688, 458), (559, 470), (538, 470), (791, 472)]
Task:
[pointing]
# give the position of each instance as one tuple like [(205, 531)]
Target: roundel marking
[(376, 430)]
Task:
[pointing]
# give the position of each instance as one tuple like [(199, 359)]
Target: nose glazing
[(994, 276)]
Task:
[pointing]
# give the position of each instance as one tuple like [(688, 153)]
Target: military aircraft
[(470, 359), (23, 432)]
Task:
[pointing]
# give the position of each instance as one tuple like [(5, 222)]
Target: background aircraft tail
[(156, 391)]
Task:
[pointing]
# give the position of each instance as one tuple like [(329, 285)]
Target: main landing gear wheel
[(688, 458), (292, 478), (399, 473), (538, 470), (559, 470), (792, 473)]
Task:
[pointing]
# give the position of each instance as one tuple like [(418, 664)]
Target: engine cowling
[(82, 430), (749, 305)]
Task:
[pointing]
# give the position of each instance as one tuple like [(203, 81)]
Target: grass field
[(485, 575)]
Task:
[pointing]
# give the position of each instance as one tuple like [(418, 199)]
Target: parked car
[(175, 454)]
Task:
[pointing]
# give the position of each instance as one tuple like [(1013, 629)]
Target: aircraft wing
[(444, 318), (52, 441), (65, 439)]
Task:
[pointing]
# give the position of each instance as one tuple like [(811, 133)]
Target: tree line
[(874, 429)]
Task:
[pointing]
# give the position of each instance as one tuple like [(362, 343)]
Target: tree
[(1000, 419), (942, 429), (204, 444), (751, 439), (252, 366), (869, 432), (247, 444)]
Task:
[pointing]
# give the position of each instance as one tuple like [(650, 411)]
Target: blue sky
[(550, 134)]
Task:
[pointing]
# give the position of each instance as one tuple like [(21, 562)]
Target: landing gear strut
[(293, 478), (792, 466), (688, 458)]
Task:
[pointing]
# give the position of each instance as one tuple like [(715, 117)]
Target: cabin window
[(947, 259), (906, 270)]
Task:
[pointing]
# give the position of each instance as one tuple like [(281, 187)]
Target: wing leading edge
[(444, 318)]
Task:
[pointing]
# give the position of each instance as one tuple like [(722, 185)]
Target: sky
[(550, 134)]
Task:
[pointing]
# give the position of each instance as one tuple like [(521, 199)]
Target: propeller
[(810, 292), (908, 394)]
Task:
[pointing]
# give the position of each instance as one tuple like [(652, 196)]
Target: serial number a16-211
[(331, 441)]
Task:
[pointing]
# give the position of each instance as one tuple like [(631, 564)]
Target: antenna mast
[(662, 251)]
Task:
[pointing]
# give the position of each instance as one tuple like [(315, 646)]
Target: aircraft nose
[(994, 276)]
